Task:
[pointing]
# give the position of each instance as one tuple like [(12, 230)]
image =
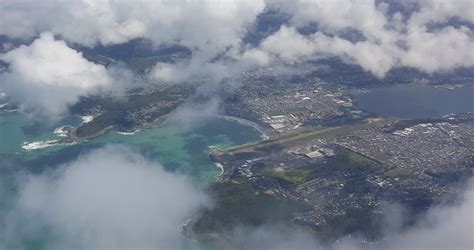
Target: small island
[(126, 113)]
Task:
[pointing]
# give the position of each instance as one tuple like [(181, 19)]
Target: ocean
[(178, 147), (32, 148)]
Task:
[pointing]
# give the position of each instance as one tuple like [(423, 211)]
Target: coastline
[(70, 133), (262, 131), (221, 169), (242, 121)]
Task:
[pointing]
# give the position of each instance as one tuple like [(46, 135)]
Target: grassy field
[(397, 173), (382, 156), (330, 87), (295, 176), (355, 159), (470, 143), (343, 160)]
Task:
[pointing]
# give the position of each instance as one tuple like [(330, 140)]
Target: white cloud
[(442, 50), (446, 227), (389, 41), (114, 198), (164, 72), (47, 76), (200, 70), (203, 25), (191, 115), (110, 198), (288, 44), (255, 57), (208, 28), (337, 15), (213, 29), (437, 11)]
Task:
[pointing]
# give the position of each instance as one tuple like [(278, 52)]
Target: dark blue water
[(411, 101)]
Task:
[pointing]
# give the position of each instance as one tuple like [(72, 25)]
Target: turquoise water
[(184, 149), (15, 129)]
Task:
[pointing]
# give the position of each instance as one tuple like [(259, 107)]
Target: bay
[(413, 101)]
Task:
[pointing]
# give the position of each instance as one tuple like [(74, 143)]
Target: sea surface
[(178, 147), (26, 146), (411, 101)]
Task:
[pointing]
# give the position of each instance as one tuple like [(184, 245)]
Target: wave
[(60, 131), (221, 169), (9, 110), (129, 133), (245, 122), (28, 146)]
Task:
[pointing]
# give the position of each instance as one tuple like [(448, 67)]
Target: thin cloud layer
[(110, 198), (47, 76), (442, 227), (114, 198)]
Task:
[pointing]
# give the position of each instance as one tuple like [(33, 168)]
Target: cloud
[(110, 198), (202, 25), (443, 50), (389, 36), (114, 198), (192, 114), (275, 237), (210, 73), (388, 40), (289, 45), (209, 28), (335, 16), (446, 227), (441, 11), (47, 76)]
